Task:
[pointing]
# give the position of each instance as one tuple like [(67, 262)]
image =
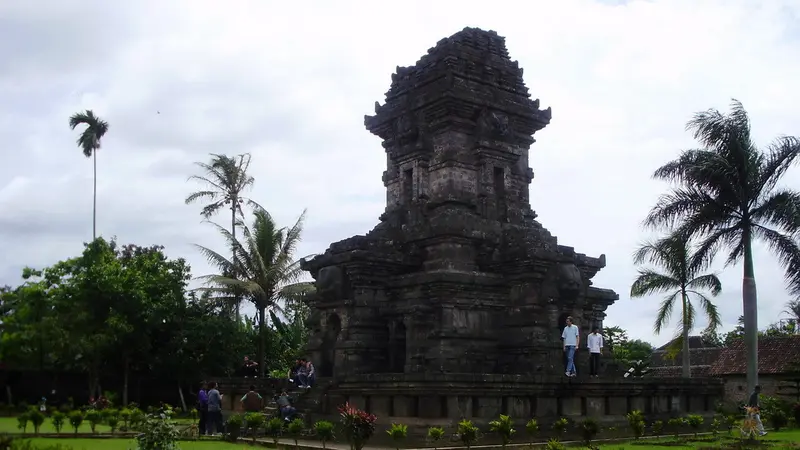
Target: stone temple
[(453, 305)]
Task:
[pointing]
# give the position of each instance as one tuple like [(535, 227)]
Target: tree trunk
[(262, 341), (125, 379), (750, 311), (94, 197), (687, 364), (183, 400), (236, 301), (9, 397)]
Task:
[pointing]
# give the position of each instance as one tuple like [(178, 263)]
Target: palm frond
[(781, 209), (788, 253), (708, 282), (793, 309), (651, 282), (781, 155), (89, 140), (709, 310), (665, 312)]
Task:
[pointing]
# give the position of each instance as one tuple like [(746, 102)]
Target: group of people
[(302, 374), (594, 342), (209, 399)]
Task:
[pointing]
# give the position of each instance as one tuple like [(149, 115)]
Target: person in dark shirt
[(202, 408), (293, 373), (755, 412), (285, 407)]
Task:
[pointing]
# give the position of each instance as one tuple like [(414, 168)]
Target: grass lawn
[(128, 444), (777, 438)]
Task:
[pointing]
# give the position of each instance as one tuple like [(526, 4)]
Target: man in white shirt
[(595, 343), (571, 337)]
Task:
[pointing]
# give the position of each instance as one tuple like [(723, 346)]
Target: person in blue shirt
[(571, 337), (202, 408)]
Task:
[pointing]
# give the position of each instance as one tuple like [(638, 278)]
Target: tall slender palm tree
[(268, 274), (226, 179), (726, 195), (680, 280), (89, 142)]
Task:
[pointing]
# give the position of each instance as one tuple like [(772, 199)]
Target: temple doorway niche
[(333, 326), (397, 347)]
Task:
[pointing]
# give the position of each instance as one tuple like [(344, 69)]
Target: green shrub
[(295, 429), (22, 421), (76, 419), (636, 423), (125, 416), (94, 417), (58, 418), (778, 419), (435, 434), (658, 428), (324, 431), (113, 421), (158, 432), (677, 424), (589, 429), (503, 427), (716, 424), (274, 429), (695, 421), (397, 432), (137, 417), (467, 433), (254, 421), (554, 444), (560, 427), (37, 419), (233, 427), (532, 429)]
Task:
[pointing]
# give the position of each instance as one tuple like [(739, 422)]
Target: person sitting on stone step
[(306, 375), (293, 373)]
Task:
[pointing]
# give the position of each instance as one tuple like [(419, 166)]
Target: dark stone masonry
[(453, 305)]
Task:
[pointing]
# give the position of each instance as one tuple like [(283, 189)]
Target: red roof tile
[(776, 356)]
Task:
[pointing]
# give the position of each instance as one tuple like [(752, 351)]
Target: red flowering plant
[(358, 425)]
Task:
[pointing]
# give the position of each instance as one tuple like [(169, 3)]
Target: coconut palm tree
[(681, 281), (226, 180), (793, 311), (268, 274), (89, 142), (726, 195)]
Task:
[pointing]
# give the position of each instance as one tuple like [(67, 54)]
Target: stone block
[(380, 405), (358, 401), (459, 407), (518, 407), (618, 405), (405, 406), (488, 407), (547, 406), (430, 407), (595, 406), (571, 406), (637, 404), (660, 404)]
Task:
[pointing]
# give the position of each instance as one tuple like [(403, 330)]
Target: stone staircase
[(306, 401)]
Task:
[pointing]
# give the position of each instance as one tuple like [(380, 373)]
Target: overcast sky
[(290, 82)]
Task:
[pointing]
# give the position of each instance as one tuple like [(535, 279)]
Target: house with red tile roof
[(778, 367), (702, 355)]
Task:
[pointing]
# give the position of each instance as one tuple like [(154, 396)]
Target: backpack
[(251, 402)]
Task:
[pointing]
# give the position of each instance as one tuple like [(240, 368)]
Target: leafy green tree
[(226, 179), (89, 142), (680, 280), (626, 350), (268, 274), (726, 195)]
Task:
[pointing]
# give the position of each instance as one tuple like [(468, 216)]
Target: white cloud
[(290, 83)]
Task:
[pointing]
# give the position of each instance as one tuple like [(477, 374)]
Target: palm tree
[(679, 279), (268, 275), (89, 142), (726, 195), (226, 179), (793, 311)]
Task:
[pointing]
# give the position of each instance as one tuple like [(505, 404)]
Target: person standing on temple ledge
[(571, 337), (595, 343)]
